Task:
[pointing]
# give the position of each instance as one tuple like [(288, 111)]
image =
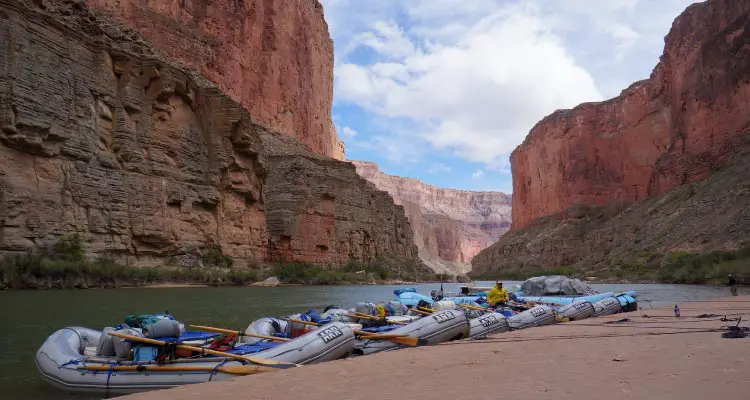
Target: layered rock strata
[(606, 182), (678, 126), (275, 57), (450, 226), (102, 136), (702, 217)]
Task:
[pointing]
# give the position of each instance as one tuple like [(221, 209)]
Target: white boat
[(436, 328), (66, 357)]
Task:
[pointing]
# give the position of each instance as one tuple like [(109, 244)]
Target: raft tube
[(436, 328), (607, 306), (577, 311), (65, 350), (537, 316), (486, 324), (265, 326)]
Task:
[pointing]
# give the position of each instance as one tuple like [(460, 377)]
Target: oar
[(227, 369), (470, 307), (427, 309), (239, 333), (254, 360), (420, 311), (400, 339), (297, 321), (405, 340), (372, 318)]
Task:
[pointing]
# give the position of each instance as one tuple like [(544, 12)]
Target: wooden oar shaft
[(297, 321), (371, 335), (202, 350), (430, 310), (240, 333), (420, 311), (372, 318), (228, 369), (472, 307)]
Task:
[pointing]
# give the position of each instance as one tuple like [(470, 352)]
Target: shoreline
[(177, 284), (644, 358)]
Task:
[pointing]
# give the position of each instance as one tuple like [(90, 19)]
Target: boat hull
[(64, 351), (439, 327)]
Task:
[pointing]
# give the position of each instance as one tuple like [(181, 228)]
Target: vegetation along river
[(28, 317)]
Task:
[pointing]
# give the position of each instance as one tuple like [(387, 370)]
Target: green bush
[(213, 256), (69, 248)]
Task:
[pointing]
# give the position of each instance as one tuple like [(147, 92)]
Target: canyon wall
[(646, 172), (678, 126), (275, 57), (145, 160), (450, 226)]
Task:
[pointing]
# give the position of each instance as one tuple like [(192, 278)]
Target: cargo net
[(556, 285)]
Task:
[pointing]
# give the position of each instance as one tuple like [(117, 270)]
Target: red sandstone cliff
[(274, 57), (678, 126), (145, 160), (450, 226)]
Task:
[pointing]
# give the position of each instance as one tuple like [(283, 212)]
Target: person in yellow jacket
[(497, 296)]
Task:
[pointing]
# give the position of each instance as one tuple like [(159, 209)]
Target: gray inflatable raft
[(435, 328), (607, 306), (488, 323), (65, 350), (537, 316), (577, 311)]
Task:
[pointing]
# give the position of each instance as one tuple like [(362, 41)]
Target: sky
[(444, 90)]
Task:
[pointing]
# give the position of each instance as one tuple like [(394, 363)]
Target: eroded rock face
[(678, 126), (145, 160), (701, 217), (319, 208), (450, 226), (275, 57)]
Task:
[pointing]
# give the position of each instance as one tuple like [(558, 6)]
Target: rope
[(216, 369), (109, 374)]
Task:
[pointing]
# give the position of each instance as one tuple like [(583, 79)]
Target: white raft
[(607, 306), (67, 349), (436, 328), (577, 311), (483, 325), (264, 326), (537, 316)]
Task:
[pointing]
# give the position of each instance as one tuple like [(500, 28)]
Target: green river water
[(28, 317)]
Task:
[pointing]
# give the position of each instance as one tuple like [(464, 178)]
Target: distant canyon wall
[(645, 173), (679, 125), (275, 57), (450, 226), (102, 136)]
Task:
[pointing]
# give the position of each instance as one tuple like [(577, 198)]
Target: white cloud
[(473, 77), (477, 174), (348, 132), (439, 167)]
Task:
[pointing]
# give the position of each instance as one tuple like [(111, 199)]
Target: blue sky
[(444, 90)]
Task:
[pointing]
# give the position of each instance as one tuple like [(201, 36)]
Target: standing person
[(732, 282), (497, 296)]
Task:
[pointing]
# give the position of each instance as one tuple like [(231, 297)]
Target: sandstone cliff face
[(678, 126), (450, 226), (701, 217), (101, 136), (274, 57)]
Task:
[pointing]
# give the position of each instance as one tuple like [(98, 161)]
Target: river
[(28, 317)]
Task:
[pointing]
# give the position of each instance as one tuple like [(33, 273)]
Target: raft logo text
[(443, 317), (538, 312), (488, 321), (330, 334)]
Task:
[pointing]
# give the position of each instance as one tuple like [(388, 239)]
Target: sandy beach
[(654, 357)]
